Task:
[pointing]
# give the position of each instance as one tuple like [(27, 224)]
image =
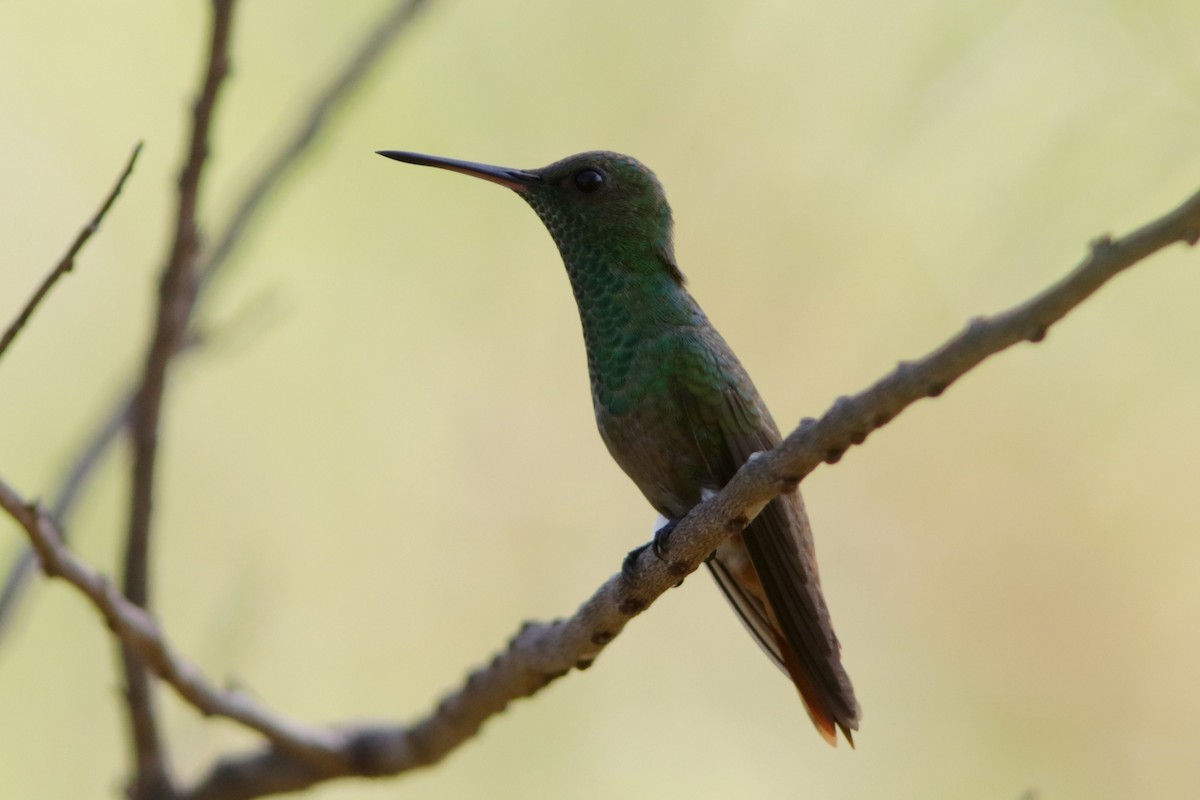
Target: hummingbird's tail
[(819, 707), (769, 576)]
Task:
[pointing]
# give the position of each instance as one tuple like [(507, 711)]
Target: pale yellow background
[(365, 499)]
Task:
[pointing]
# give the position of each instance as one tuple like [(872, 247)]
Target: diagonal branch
[(68, 261), (177, 294), (297, 758)]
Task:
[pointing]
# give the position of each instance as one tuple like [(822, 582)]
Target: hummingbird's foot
[(662, 537), (629, 565), (658, 546)]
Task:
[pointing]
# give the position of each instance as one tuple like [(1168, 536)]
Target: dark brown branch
[(542, 652), (68, 261), (177, 292)]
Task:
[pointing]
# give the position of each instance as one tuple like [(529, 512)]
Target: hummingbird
[(676, 408)]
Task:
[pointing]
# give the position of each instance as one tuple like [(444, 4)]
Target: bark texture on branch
[(177, 294)]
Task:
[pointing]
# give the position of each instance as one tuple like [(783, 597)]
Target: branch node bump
[(842, 405), (1100, 244), (368, 755), (551, 677), (678, 569), (631, 606)]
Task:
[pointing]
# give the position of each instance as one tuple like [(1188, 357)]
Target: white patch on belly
[(661, 522)]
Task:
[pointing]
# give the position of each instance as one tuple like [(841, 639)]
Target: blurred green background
[(364, 498)]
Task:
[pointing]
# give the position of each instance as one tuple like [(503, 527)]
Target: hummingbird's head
[(599, 206), (601, 202)]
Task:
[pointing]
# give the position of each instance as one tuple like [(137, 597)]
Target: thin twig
[(68, 261), (542, 652), (22, 567), (177, 292)]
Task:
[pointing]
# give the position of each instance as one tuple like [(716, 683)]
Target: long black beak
[(516, 179)]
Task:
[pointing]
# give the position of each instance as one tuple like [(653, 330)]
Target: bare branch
[(177, 293), (542, 652), (68, 261)]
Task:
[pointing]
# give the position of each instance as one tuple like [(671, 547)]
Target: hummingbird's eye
[(589, 180)]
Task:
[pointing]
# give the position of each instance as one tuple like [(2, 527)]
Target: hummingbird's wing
[(769, 573)]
